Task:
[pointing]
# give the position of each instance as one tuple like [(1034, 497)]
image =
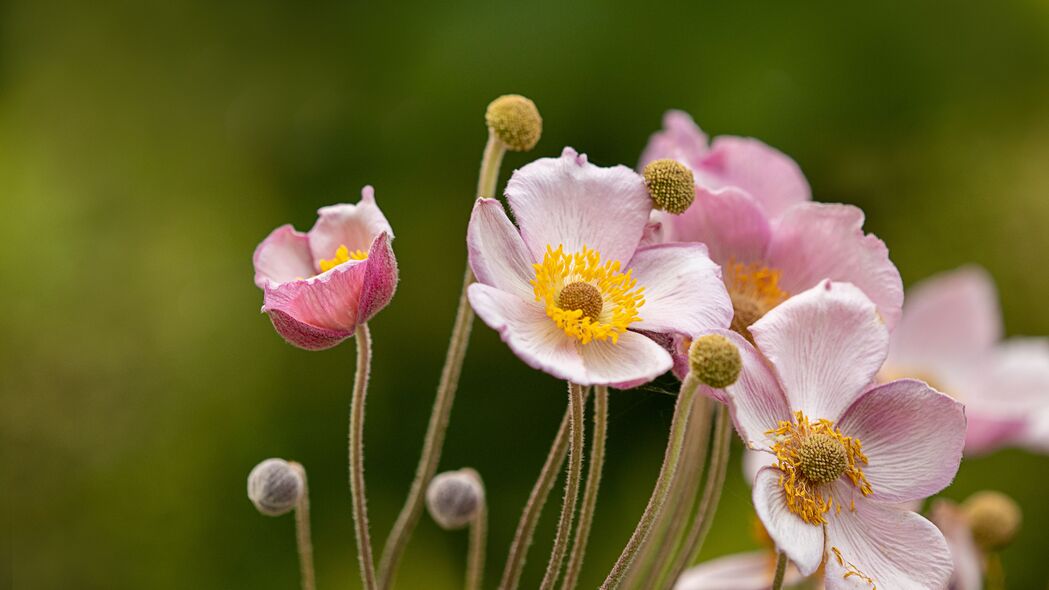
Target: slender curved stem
[(433, 441), (303, 539), (357, 493), (475, 557), (675, 443), (711, 494), (572, 481), (515, 560), (995, 576), (781, 571), (593, 485)]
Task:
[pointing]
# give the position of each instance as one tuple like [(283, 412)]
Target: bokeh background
[(145, 149)]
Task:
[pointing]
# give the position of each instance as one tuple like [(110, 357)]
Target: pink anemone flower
[(846, 453), (570, 290), (950, 336), (320, 285), (753, 212)]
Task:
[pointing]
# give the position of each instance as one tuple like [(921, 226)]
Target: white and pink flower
[(320, 285), (570, 289), (846, 454)]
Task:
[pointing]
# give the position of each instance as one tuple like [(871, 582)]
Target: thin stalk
[(475, 556), (303, 539), (357, 493), (572, 481), (433, 441), (515, 560), (781, 571), (593, 485), (711, 494), (675, 443), (995, 572)]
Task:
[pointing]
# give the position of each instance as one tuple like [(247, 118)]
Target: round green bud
[(275, 486), (670, 184), (994, 519), (515, 121), (715, 361), (455, 498)]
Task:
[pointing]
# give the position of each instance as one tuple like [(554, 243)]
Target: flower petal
[(633, 360), (684, 292), (815, 241), (729, 221), (304, 335), (380, 278), (825, 344), (756, 400), (802, 542), (283, 256), (753, 570), (525, 328), (680, 139), (329, 301), (913, 436), (568, 201), (767, 174), (353, 226), (895, 548), (498, 255), (753, 461), (968, 562)]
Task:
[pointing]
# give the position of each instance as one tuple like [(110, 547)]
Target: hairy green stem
[(303, 538), (572, 481), (476, 554), (781, 571), (357, 493)]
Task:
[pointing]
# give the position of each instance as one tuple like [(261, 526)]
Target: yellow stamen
[(795, 443), (754, 290), (603, 317), (342, 255), (851, 571)]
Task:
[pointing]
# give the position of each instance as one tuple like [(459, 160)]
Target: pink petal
[(729, 221), (825, 344), (633, 360), (897, 549), (526, 329), (968, 561), (498, 255), (913, 436), (380, 278), (283, 256), (353, 226), (815, 241), (986, 433), (950, 318), (567, 201), (683, 293), (742, 571), (753, 461), (767, 174), (304, 335), (756, 400), (802, 542), (1006, 392), (681, 139), (1036, 435)]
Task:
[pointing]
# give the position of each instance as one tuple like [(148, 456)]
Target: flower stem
[(302, 532), (675, 443), (781, 570), (433, 441), (475, 557), (995, 572), (593, 484), (515, 560), (575, 476), (357, 493)]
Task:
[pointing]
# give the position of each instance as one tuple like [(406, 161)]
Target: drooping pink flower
[(320, 285), (570, 290), (847, 454), (753, 212), (950, 336)]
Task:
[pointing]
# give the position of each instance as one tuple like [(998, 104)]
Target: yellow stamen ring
[(342, 256), (754, 290)]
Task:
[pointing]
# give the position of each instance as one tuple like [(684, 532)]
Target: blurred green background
[(146, 148)]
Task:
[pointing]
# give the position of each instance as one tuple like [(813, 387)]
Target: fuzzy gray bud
[(454, 498), (275, 486)]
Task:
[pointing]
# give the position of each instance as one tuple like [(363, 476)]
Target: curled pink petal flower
[(320, 285), (573, 292)]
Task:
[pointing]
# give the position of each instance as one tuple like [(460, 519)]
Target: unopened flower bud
[(515, 121), (275, 486), (994, 519), (715, 361), (670, 184), (455, 498)]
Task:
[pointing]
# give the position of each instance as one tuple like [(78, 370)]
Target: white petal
[(801, 541), (498, 255)]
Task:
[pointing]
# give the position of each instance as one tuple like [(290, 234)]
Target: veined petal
[(380, 278), (568, 201), (283, 256), (753, 570), (913, 436), (814, 241), (303, 335), (802, 542), (633, 360), (680, 139), (353, 226), (756, 400), (825, 345), (893, 548), (968, 568), (684, 292), (729, 221), (526, 329), (767, 174), (498, 255)]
